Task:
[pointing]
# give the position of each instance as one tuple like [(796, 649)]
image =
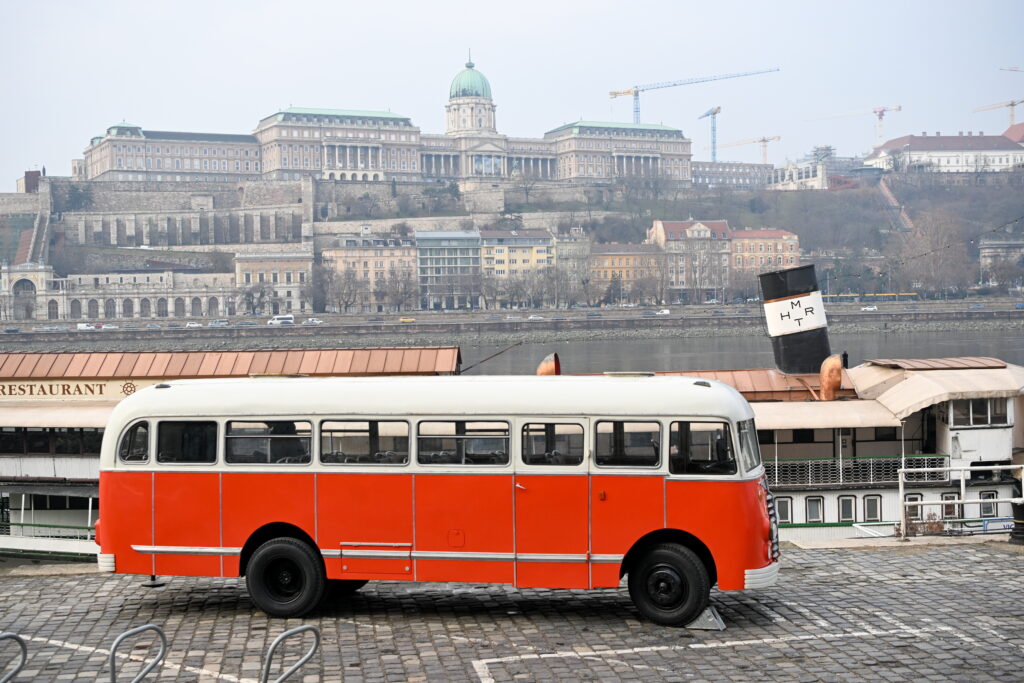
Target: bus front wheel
[(669, 585), (285, 578)]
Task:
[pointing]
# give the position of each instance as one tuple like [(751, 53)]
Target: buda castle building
[(377, 146)]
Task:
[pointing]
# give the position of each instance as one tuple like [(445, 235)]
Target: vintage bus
[(314, 486)]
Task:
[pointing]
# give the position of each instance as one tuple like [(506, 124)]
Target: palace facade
[(348, 145)]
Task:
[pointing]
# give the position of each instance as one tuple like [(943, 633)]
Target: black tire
[(285, 578), (338, 589), (669, 585)]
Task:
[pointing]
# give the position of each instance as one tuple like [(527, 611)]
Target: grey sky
[(71, 68)]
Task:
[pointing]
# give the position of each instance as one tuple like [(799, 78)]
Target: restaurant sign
[(106, 390)]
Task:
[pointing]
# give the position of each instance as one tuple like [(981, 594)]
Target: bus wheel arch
[(687, 540), (269, 532)]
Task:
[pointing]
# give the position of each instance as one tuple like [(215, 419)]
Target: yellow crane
[(764, 145), (1012, 105)]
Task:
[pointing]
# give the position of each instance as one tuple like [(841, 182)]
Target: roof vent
[(702, 383), (163, 385)]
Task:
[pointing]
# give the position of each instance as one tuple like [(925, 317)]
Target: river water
[(735, 352)]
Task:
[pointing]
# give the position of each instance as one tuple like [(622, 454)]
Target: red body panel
[(126, 510), (186, 512), (552, 518), (374, 510), (729, 517), (252, 500), (464, 513), (624, 508)]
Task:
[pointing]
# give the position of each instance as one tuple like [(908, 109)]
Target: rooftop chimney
[(795, 319), (970, 132), (924, 133), (937, 133), (959, 132), (981, 132)]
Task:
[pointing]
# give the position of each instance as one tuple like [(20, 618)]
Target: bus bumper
[(761, 578)]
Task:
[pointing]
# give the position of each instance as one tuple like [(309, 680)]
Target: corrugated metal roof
[(961, 363), (769, 384), (375, 361)]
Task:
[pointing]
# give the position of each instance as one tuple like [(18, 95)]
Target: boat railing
[(783, 472)]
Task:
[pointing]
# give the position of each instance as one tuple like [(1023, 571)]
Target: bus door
[(627, 491), (551, 505), (463, 501)]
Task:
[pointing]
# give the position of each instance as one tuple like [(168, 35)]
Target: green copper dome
[(470, 83)]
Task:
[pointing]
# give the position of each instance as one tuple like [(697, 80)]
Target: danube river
[(734, 352)]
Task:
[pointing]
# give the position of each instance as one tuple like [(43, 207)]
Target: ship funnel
[(795, 316)]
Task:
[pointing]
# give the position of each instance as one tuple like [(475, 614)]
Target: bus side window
[(700, 448), (546, 443), (628, 444), (186, 442), (374, 442), (135, 444), (275, 442), (459, 442)]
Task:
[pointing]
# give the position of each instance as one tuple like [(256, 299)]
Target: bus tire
[(669, 585), (285, 578)]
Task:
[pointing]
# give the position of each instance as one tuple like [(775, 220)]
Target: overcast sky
[(71, 68)]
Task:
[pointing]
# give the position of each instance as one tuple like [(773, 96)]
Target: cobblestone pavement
[(919, 613)]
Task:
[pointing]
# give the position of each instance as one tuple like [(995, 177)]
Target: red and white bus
[(303, 484)]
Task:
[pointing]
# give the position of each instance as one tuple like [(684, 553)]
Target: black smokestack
[(795, 315)]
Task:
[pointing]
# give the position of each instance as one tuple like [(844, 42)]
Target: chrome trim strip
[(374, 554), (606, 558), (330, 553), (184, 550), (345, 544), (448, 555), (550, 557), (761, 578)]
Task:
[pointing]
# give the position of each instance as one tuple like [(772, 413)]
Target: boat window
[(847, 509), (373, 442), (997, 406), (872, 508), (186, 442), (460, 442), (988, 509), (275, 442), (961, 413), (784, 509), (913, 511), (134, 446), (950, 510), (701, 448), (546, 443), (815, 509), (628, 444)]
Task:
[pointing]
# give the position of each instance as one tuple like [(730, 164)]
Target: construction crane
[(764, 145), (879, 113), (1012, 105), (713, 113), (637, 89)]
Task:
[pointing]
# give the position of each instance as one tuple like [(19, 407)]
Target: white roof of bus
[(457, 395)]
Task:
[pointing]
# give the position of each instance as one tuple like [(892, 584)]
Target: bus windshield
[(750, 454)]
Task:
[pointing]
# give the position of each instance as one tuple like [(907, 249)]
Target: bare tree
[(401, 288), (934, 253), (345, 288), (257, 297)]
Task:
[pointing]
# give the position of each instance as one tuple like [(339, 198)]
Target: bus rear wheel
[(285, 578), (669, 585)]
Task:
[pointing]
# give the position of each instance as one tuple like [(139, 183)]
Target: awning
[(922, 389), (822, 415), (55, 413)]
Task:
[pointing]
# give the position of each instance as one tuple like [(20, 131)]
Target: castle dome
[(470, 83)]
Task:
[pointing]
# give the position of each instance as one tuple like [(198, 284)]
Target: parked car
[(287, 319), (535, 317), (106, 326), (173, 324), (975, 307), (648, 314), (312, 321), (407, 320), (130, 326), (1019, 306), (221, 322), (869, 308), (494, 316), (375, 319), (192, 324), (85, 326), (152, 326), (513, 317), (594, 314), (247, 323), (664, 311), (559, 317), (12, 330), (717, 312)]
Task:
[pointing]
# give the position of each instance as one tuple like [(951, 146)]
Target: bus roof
[(457, 395)]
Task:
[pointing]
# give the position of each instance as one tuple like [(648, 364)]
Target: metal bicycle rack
[(151, 665), (265, 674), (4, 678)]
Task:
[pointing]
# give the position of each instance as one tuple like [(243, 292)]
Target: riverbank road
[(916, 612)]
